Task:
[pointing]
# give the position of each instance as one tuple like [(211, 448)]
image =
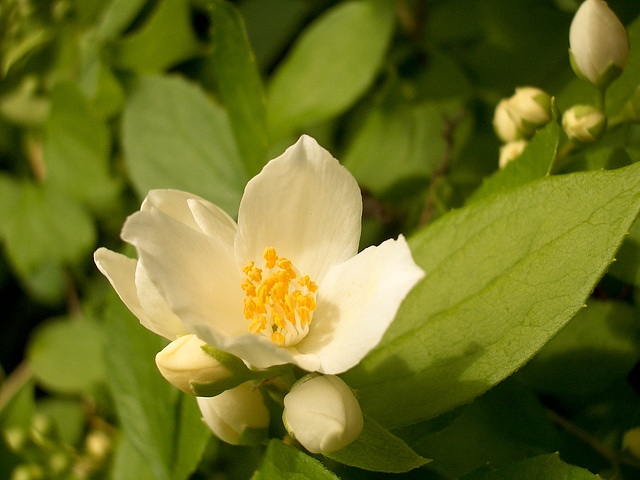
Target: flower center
[(278, 301)]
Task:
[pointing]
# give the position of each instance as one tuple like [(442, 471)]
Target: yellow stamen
[(278, 302)]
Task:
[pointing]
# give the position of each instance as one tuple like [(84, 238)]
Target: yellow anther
[(278, 302), (270, 257)]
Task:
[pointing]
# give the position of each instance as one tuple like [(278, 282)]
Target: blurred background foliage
[(102, 100)]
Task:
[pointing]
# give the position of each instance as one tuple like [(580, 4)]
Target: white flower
[(238, 416), (322, 413), (584, 123), (283, 285), (183, 361), (598, 42), (530, 109), (510, 151), (503, 124)]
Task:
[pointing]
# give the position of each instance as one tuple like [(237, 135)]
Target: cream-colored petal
[(305, 205), (195, 273), (121, 273), (213, 221), (357, 301), (173, 203)]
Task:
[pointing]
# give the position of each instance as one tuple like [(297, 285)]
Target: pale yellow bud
[(503, 124), (584, 123), (599, 43), (322, 413), (530, 109), (183, 361), (237, 416), (631, 442), (511, 151)]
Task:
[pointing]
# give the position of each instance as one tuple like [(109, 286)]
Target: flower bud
[(503, 124), (584, 123), (599, 46), (530, 109), (237, 416), (322, 413), (511, 151), (184, 361)]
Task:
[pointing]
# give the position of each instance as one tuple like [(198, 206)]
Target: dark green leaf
[(543, 467), (239, 84), (503, 275), (378, 450), (283, 461), (322, 77)]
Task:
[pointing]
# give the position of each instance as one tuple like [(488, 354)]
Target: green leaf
[(175, 137), (542, 467), (162, 425), (239, 84), (167, 38), (330, 66), (283, 461), (68, 415), (503, 275), (59, 232), (128, 464), (66, 356), (77, 149), (506, 424), (399, 142), (605, 336), (117, 17), (535, 162), (378, 450)]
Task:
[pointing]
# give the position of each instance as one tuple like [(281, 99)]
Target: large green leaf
[(330, 66), (77, 148), (535, 162), (163, 427), (239, 84), (543, 467), (378, 450), (283, 461), (175, 137), (503, 275)]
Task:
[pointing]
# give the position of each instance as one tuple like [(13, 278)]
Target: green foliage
[(521, 341)]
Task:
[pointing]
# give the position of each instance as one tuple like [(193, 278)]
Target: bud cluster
[(517, 118), (320, 411)]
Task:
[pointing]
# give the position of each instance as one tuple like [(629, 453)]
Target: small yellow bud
[(183, 361), (237, 416), (530, 109), (503, 124), (511, 151), (584, 123), (322, 413)]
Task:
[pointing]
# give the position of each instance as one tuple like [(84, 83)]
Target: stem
[(14, 382), (616, 458), (566, 149)]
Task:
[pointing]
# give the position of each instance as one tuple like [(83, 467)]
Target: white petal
[(173, 203), (121, 273), (213, 221), (357, 301), (195, 273), (305, 205)]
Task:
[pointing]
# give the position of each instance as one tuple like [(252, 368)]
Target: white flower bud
[(530, 109), (599, 46), (511, 151), (322, 413), (503, 124), (183, 361), (237, 416), (584, 123)]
